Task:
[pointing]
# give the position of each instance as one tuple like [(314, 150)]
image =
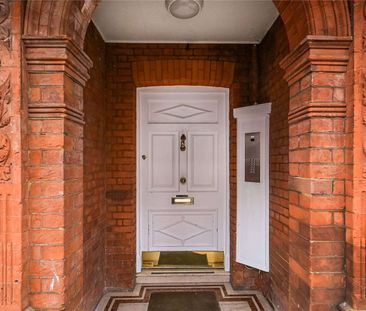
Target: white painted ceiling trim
[(148, 21)]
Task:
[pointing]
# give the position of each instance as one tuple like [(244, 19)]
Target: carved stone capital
[(317, 53), (53, 56), (57, 55)]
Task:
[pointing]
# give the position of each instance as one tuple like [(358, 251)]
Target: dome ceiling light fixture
[(184, 9)]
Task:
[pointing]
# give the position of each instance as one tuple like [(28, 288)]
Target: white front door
[(182, 156)]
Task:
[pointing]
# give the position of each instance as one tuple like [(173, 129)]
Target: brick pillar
[(316, 72), (356, 187), (57, 71)]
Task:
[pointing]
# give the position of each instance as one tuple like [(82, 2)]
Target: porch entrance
[(182, 170)]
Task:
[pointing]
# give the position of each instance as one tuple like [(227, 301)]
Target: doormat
[(183, 301), (183, 258), (184, 298)]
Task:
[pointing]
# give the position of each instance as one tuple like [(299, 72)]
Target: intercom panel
[(252, 157)]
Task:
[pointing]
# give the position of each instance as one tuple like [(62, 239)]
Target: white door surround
[(182, 131), (252, 221)]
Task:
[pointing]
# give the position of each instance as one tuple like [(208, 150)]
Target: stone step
[(182, 276)]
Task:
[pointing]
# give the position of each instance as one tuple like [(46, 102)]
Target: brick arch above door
[(183, 72), (316, 17)]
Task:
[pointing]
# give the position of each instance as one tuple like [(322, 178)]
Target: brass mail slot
[(183, 199)]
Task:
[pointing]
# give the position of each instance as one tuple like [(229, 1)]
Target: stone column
[(316, 73), (57, 71)]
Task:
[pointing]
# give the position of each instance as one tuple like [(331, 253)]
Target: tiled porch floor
[(228, 298)]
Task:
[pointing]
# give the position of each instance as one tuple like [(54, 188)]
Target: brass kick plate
[(183, 199)]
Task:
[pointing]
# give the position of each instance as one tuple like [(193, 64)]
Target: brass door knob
[(183, 180)]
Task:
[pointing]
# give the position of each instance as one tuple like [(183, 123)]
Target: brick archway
[(318, 18), (57, 69), (301, 18)]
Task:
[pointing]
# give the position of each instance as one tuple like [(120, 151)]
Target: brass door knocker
[(183, 139)]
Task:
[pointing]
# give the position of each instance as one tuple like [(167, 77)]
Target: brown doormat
[(183, 301), (183, 258)]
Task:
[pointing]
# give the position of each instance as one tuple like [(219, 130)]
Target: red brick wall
[(94, 171), (121, 149), (55, 152), (273, 88)]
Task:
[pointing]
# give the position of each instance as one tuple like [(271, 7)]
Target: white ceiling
[(220, 21)]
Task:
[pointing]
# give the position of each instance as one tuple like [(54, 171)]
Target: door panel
[(193, 230), (202, 162), (171, 110), (164, 163)]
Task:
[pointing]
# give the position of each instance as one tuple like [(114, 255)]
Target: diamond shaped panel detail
[(183, 111), (183, 230)]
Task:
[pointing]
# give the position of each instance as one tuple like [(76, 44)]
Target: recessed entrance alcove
[(131, 153)]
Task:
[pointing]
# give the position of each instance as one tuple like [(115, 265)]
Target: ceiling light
[(184, 8)]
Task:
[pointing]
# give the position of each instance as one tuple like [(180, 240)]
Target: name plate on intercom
[(183, 199), (252, 157)]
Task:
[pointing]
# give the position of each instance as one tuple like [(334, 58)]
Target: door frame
[(226, 237)]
